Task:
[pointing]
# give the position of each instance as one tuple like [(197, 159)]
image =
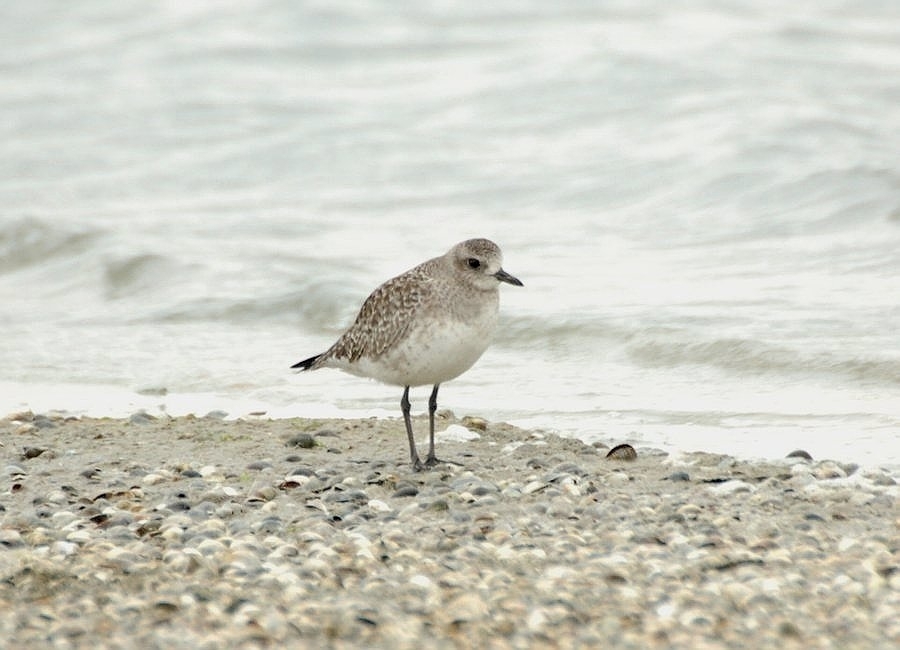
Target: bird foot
[(432, 461)]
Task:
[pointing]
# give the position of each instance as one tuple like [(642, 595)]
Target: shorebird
[(424, 327)]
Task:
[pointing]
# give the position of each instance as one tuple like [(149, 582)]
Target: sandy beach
[(207, 533)]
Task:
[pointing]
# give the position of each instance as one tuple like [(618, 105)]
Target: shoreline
[(832, 440), (204, 533)]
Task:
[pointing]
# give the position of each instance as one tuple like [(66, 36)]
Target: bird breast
[(432, 353)]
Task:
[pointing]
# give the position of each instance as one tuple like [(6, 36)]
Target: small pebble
[(10, 538), (377, 505), (731, 487), (43, 422), (405, 491), (301, 440), (15, 471), (456, 433), (142, 418), (828, 470), (80, 536), (475, 423), (622, 452), (63, 548)]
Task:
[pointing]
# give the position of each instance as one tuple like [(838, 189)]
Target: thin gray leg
[(431, 459), (413, 454)]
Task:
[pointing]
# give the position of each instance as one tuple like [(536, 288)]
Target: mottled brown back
[(385, 317)]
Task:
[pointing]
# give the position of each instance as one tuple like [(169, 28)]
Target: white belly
[(430, 355)]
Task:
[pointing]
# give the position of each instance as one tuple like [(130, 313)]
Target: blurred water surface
[(702, 198)]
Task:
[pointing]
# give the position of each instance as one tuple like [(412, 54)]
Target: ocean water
[(702, 199)]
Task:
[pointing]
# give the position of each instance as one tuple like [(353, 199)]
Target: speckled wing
[(385, 318)]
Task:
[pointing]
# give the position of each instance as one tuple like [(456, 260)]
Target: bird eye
[(473, 263)]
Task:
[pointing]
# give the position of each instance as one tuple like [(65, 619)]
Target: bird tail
[(307, 364)]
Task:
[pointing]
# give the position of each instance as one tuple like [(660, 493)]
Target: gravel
[(207, 533)]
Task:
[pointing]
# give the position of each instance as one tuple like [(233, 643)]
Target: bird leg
[(413, 454), (431, 460)]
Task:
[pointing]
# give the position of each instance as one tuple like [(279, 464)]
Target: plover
[(424, 327)]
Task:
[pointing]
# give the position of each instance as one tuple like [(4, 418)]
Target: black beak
[(503, 276)]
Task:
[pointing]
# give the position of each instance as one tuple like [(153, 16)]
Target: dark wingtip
[(306, 364)]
